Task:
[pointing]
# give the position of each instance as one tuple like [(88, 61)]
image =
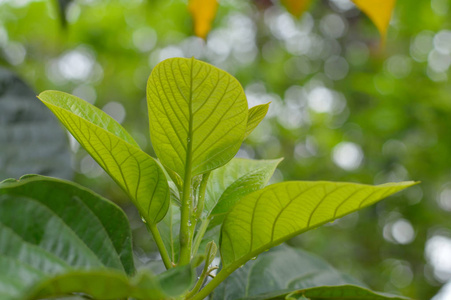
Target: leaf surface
[(290, 273), (266, 218), (137, 173), (379, 11), (49, 227), (255, 116), (237, 178), (197, 115), (203, 12)]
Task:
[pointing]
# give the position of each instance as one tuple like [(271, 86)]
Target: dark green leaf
[(50, 227), (289, 273)]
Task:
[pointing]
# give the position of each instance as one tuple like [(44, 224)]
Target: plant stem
[(185, 214), (220, 277), (198, 214), (185, 219), (202, 190), (200, 234), (158, 240)]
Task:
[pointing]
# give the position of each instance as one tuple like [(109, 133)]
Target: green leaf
[(111, 285), (50, 227), (289, 273), (236, 179), (255, 116), (117, 153), (197, 115), (98, 284), (169, 228), (268, 217), (245, 184)]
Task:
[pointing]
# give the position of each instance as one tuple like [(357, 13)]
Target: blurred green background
[(342, 108)]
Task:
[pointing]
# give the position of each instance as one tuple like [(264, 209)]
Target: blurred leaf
[(182, 96), (30, 137), (117, 153), (203, 13), (50, 227), (111, 285), (289, 273), (379, 11), (268, 217), (296, 7), (256, 115)]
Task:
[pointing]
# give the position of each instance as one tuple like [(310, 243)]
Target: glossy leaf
[(289, 273), (197, 115), (268, 217), (379, 11), (203, 12), (234, 180), (117, 153), (50, 227), (296, 7), (255, 116)]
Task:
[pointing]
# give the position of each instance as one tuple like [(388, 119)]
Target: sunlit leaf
[(256, 115), (116, 152), (296, 7), (268, 217), (197, 115), (203, 12), (290, 273), (379, 11)]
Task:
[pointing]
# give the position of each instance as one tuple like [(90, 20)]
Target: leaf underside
[(255, 116), (138, 174), (268, 217), (197, 115)]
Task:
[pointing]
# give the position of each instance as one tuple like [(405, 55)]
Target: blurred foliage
[(342, 108)]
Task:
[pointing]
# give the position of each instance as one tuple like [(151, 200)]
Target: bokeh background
[(343, 108)]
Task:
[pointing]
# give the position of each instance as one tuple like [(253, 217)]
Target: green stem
[(159, 241), (185, 214), (220, 277), (199, 282), (185, 219), (198, 214), (200, 234), (202, 190)]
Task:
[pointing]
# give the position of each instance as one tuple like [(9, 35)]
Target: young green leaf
[(197, 115), (237, 178), (292, 273), (116, 152), (268, 217), (49, 227), (255, 116)]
